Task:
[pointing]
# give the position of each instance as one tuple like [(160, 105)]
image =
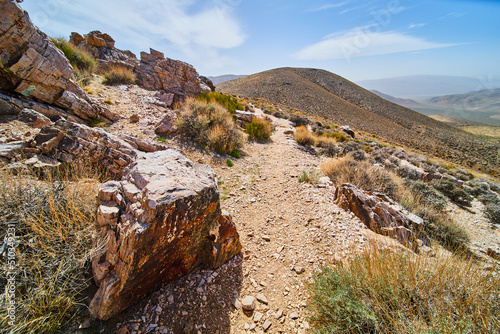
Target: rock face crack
[(170, 223)]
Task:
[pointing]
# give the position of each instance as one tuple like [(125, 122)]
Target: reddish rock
[(382, 215), (167, 125), (33, 68), (169, 222)]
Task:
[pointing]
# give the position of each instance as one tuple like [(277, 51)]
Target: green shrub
[(384, 292), (228, 102), (337, 136), (299, 120), (235, 154), (229, 163), (492, 212), (429, 195), (311, 177), (119, 75), (210, 126), (450, 190), (259, 129)]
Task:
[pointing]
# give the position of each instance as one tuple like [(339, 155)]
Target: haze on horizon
[(356, 39)]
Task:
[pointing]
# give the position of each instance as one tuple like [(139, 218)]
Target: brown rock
[(34, 68), (75, 38), (167, 125), (33, 118), (174, 225), (382, 215), (144, 145), (135, 118)]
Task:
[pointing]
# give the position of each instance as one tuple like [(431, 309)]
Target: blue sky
[(356, 39)]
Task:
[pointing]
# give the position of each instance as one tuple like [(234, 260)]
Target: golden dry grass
[(119, 75), (388, 292), (53, 223)]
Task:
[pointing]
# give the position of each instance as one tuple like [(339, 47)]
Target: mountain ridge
[(324, 94)]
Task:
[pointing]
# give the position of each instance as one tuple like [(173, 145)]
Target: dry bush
[(362, 174), (304, 137), (119, 75), (210, 125), (386, 292), (53, 224)]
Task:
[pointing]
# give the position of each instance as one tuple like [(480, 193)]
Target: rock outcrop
[(69, 142), (382, 215), (174, 78), (33, 68), (159, 222)]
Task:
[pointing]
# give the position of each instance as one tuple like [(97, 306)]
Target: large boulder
[(159, 222), (33, 67), (382, 215)]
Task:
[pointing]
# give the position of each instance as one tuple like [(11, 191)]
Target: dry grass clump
[(386, 292), (210, 125), (304, 137), (259, 129), (53, 225), (362, 174), (119, 75), (83, 62)]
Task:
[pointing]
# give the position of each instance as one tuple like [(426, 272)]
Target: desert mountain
[(324, 94), (408, 103), (425, 86), (223, 78)]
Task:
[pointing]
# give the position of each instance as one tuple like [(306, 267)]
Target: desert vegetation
[(84, 64), (52, 222), (210, 125), (372, 294), (259, 129), (118, 75), (228, 102)]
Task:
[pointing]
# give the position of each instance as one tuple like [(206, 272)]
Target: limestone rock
[(34, 68), (382, 215), (161, 220), (155, 72)]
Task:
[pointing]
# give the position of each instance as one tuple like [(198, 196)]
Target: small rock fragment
[(266, 325), (261, 298), (248, 304)]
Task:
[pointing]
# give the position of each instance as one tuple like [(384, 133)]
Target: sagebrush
[(386, 292), (210, 125)]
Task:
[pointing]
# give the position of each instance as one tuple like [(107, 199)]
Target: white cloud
[(361, 42), (453, 15), (416, 25), (329, 6), (176, 21)]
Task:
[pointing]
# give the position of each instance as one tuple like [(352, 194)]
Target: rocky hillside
[(324, 94)]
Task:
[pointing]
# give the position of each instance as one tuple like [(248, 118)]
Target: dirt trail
[(288, 229)]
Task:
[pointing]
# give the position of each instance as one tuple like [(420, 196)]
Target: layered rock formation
[(159, 222), (153, 71), (33, 68), (382, 215)]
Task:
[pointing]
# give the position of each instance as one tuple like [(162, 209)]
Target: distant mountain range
[(324, 94), (425, 86), (223, 78)]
